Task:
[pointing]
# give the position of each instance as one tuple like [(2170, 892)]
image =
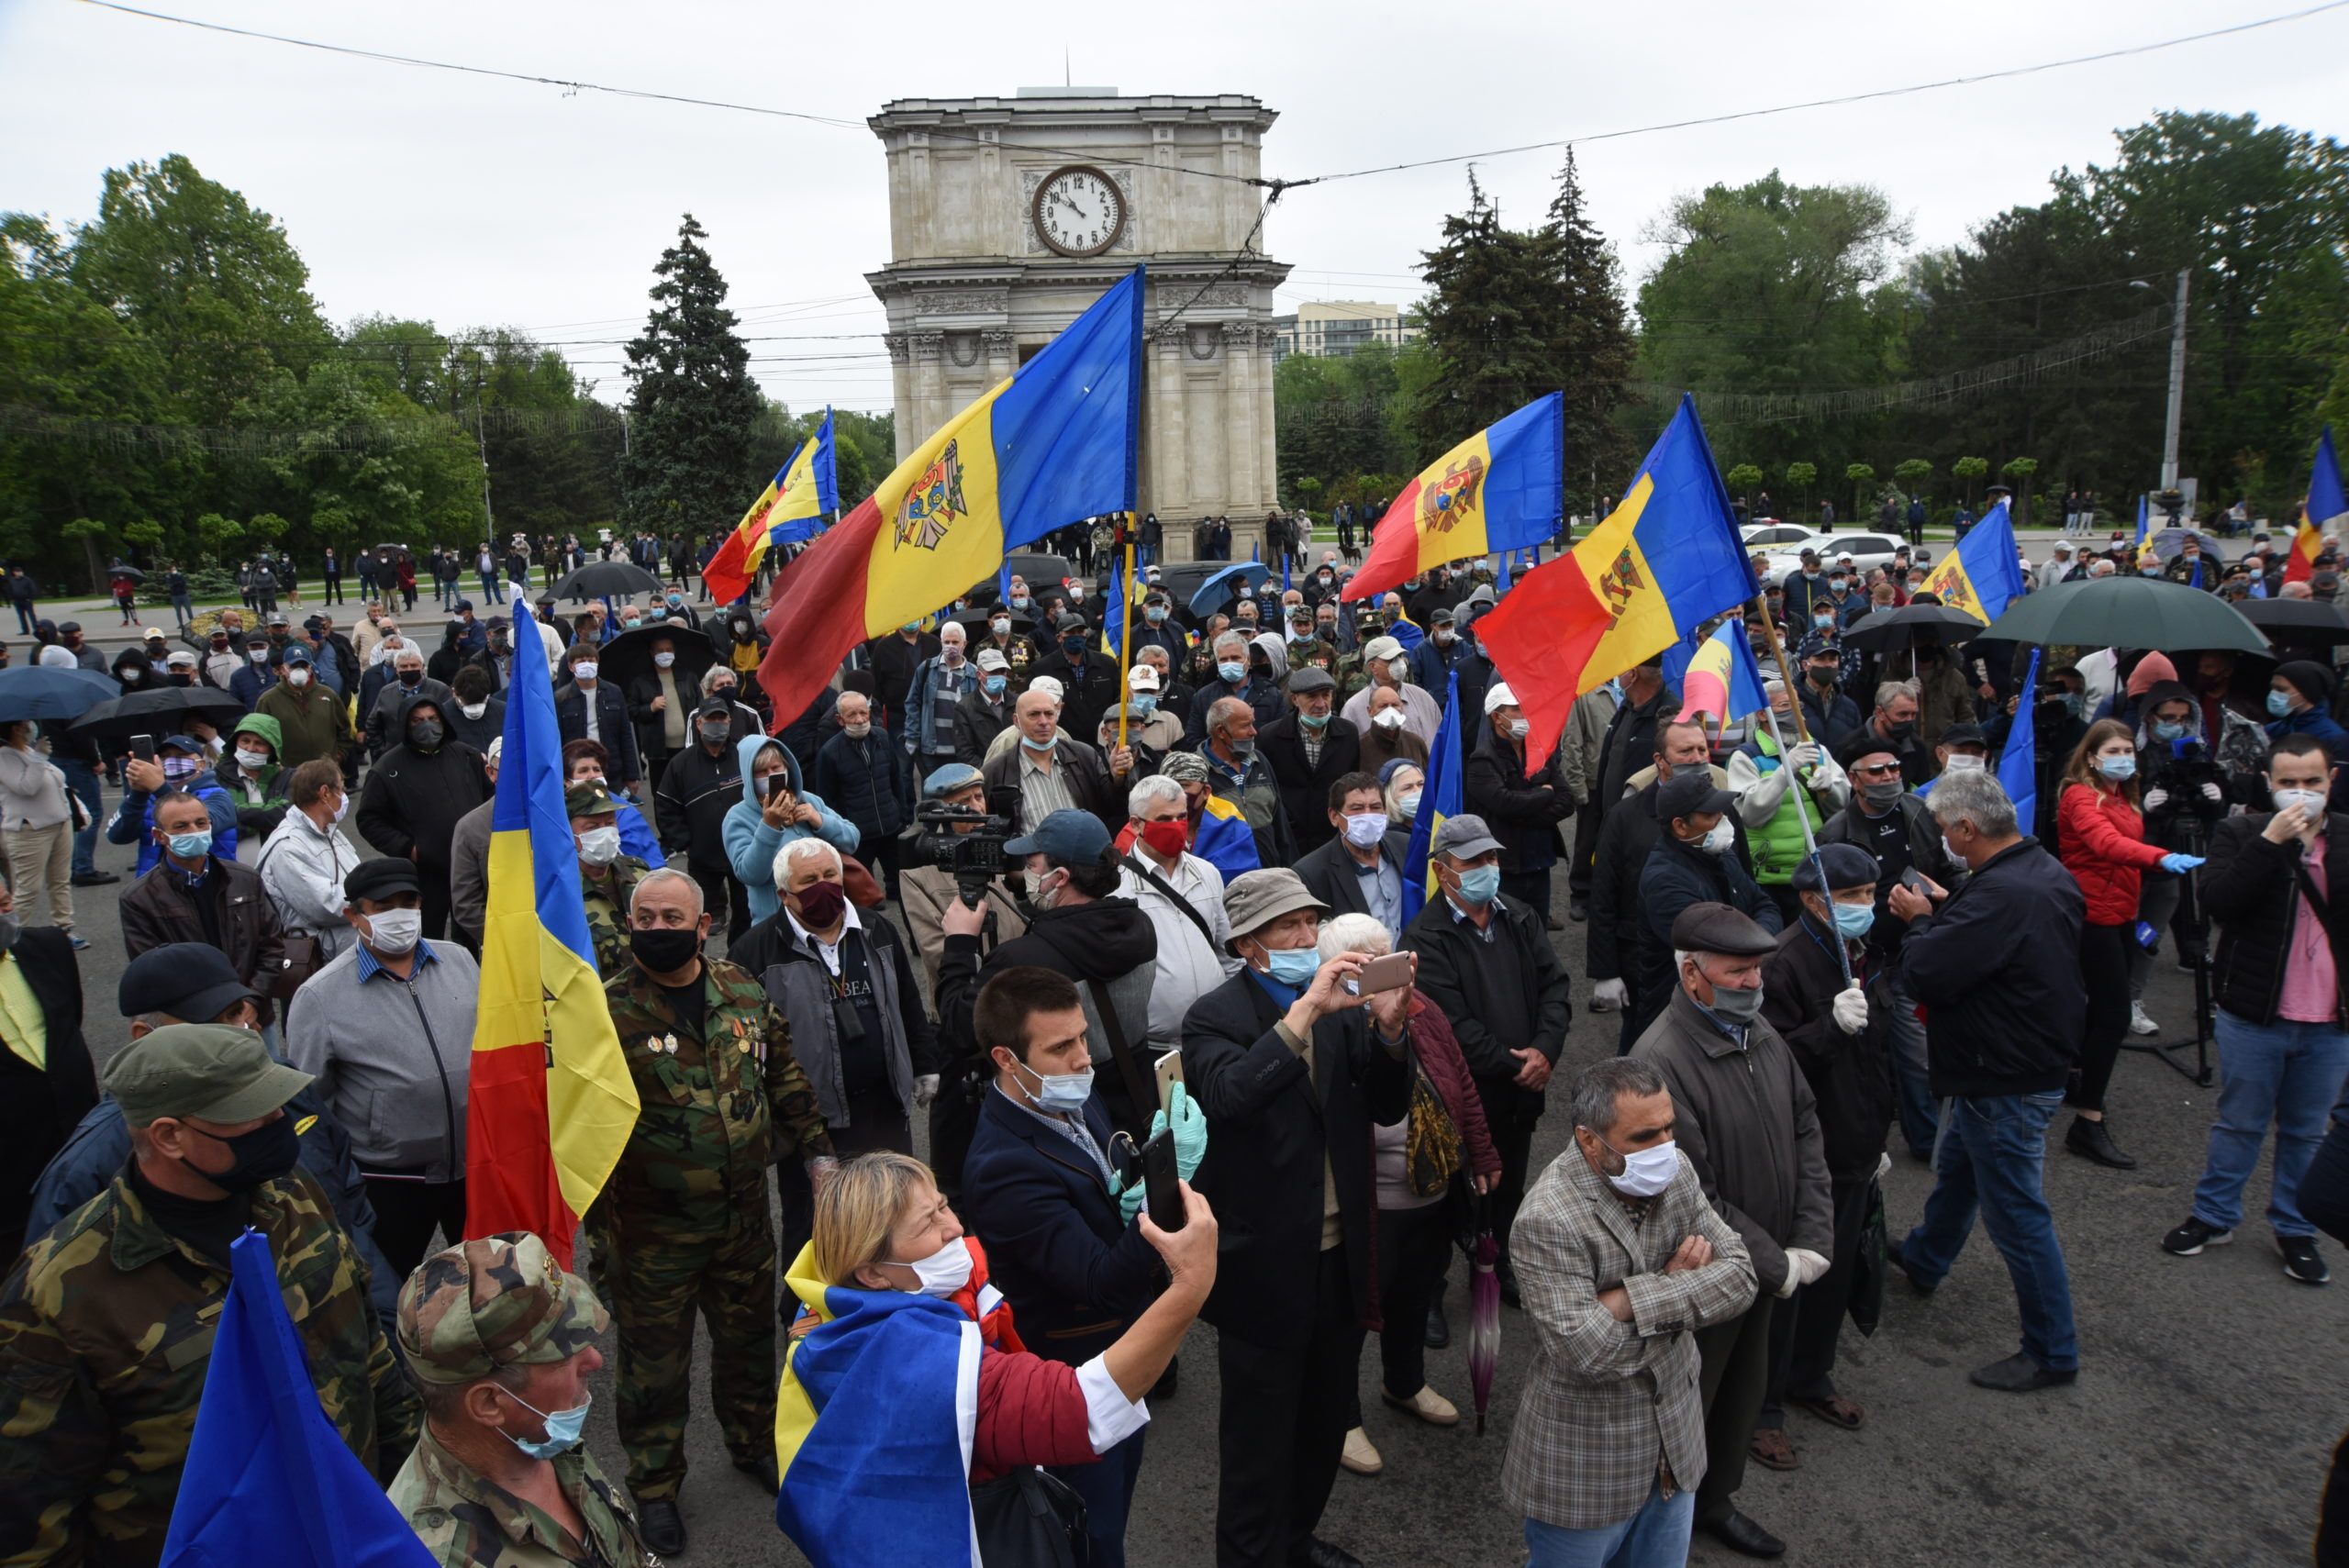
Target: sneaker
[(81, 944), (2139, 1023), (2188, 1240), (1358, 1456), (2303, 1262)]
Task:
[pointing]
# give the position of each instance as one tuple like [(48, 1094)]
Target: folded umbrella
[(1484, 1318), (29, 690), (2129, 612)]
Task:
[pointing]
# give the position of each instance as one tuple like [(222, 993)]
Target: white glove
[(1802, 1267), (2213, 794), (1804, 756), (925, 1089), (2156, 799), (1611, 994), (1852, 1008)]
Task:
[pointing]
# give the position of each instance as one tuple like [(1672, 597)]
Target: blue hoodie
[(751, 845), (133, 821)]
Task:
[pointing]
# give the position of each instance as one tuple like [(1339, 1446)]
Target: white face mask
[(252, 762), (599, 846), (1717, 838), (662, 661), (474, 710), (1646, 1172), (1960, 762), (1366, 828), (944, 1271), (583, 671), (1389, 719), (395, 932), (2314, 799)]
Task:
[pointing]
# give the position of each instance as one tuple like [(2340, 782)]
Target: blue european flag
[(1440, 798), (2018, 768), (2327, 500), (268, 1482)]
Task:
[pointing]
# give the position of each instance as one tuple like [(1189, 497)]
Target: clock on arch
[(1078, 210)]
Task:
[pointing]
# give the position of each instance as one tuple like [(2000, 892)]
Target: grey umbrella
[(2128, 612)]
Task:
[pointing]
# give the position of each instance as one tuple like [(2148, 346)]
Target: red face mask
[(822, 905), (1167, 839)]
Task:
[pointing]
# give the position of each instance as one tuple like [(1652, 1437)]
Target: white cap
[(1383, 647), (497, 748), (1049, 686), (1498, 696), (993, 659), (1141, 678)]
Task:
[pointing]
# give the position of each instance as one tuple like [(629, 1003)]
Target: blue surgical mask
[(1154, 615), (993, 685), (1480, 884), (2280, 704), (1061, 1091), (1144, 704), (563, 1428), (1409, 802), (190, 846), (2117, 768), (1294, 967), (1231, 675), (2164, 730), (1044, 745), (1853, 919)]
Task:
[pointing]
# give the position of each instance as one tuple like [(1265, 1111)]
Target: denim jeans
[(1912, 1097), (82, 780), (2285, 1073), (1656, 1536), (1991, 1156)]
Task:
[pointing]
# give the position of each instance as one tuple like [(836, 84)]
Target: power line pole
[(2176, 385), (480, 434)]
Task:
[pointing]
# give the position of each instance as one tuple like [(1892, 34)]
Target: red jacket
[(1031, 1409), (2103, 838)]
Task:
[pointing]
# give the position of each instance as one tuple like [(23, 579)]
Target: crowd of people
[(1188, 1030)]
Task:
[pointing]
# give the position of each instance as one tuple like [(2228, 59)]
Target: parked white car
[(1773, 536), (1866, 550)]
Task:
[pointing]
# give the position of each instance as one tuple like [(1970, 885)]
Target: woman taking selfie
[(2101, 833)]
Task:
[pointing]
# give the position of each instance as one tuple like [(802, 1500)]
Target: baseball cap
[(1141, 678), (192, 982), (212, 1071), (992, 659), (1497, 695), (153, 634), (497, 1301), (1463, 837), (1383, 647), (1073, 838), (1965, 732), (1689, 793), (588, 797)]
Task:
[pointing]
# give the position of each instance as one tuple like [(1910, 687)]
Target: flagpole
[(1809, 842), (1786, 676), (1126, 634)]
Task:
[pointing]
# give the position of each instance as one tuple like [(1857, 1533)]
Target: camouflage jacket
[(466, 1520), (715, 1114), (106, 1334), (606, 904)]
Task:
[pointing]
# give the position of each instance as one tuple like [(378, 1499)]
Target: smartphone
[(1383, 974), (143, 748), (1162, 1189), (778, 784), (1169, 1069), (1914, 881)]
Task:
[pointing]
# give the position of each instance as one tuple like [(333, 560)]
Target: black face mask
[(425, 734), (411, 677), (265, 1154), (664, 949), (1900, 731)]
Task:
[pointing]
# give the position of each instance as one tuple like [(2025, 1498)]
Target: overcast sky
[(467, 201)]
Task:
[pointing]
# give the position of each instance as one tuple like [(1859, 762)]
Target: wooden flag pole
[(1785, 674)]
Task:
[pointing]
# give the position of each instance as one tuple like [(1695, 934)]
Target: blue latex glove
[(1190, 1124), (2178, 865), (1129, 1198)]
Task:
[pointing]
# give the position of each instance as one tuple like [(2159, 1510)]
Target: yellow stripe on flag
[(947, 530), (1610, 558)]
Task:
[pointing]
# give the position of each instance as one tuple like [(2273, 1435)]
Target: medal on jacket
[(667, 1042)]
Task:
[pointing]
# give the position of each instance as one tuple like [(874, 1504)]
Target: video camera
[(2182, 767), (975, 856)]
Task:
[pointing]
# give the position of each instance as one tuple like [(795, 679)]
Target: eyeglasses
[(1877, 770)]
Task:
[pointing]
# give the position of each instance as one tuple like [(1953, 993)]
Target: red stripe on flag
[(2307, 543), (723, 578), (1393, 553), (1540, 638), (818, 614), (510, 1181)]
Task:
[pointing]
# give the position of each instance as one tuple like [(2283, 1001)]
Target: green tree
[(1910, 474), (1970, 469), (1591, 349), (692, 404), (1861, 475), (2020, 470), (1802, 476), (1743, 481)]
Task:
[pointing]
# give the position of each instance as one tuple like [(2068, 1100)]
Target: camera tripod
[(2190, 916)]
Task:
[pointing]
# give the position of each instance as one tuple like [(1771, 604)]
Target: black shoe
[(2091, 1140), (2020, 1375), (1438, 1330), (2188, 1240), (1739, 1533), (1164, 1388), (1319, 1553), (662, 1528), (93, 878), (1507, 1276), (1554, 922), (2303, 1262), (1892, 1255), (764, 1472), (1579, 910)]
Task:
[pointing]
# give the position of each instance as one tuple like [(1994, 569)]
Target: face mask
[(1294, 967), (1882, 792), (713, 734), (1518, 729), (1000, 625), (1077, 595), (190, 846), (1061, 1091), (396, 931), (664, 949), (1837, 584), (944, 1271), (993, 685), (1046, 744), (583, 671), (179, 767), (1900, 731), (2117, 768), (1231, 674), (2149, 572), (1389, 719), (1646, 1172), (425, 734), (599, 846), (563, 1428), (1963, 763), (1019, 602), (822, 904), (1823, 619), (1313, 721), (952, 654), (1853, 920), (257, 655), (1443, 636), (341, 807), (1737, 1006), (265, 1154), (1951, 850), (1166, 839), (253, 762), (1716, 838), (1144, 704), (2280, 704), (472, 709), (1408, 804), (1074, 648), (1480, 885), (664, 661), (2284, 799), (632, 622), (411, 677)]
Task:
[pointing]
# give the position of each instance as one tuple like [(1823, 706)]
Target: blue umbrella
[(31, 690), (1230, 582)]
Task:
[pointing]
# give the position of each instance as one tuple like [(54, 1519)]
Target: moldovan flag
[(1981, 575), (550, 1104), (1716, 676), (1501, 489), (1440, 797), (2326, 506), (1054, 445), (1667, 559), (804, 491)]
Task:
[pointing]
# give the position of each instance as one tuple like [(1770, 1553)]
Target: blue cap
[(945, 780), (1073, 837), (294, 654)]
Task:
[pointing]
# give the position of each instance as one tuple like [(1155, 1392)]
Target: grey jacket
[(302, 870), (391, 1058), (469, 870), (799, 986), (1748, 1122)]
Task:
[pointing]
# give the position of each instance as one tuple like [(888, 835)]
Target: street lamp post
[(2176, 411)]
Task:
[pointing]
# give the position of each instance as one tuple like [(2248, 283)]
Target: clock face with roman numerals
[(1079, 211)]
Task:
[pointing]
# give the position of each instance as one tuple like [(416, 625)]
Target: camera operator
[(926, 887), (2187, 793)]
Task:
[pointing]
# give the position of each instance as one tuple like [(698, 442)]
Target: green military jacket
[(607, 900), (715, 1112), (105, 1333), (466, 1520)]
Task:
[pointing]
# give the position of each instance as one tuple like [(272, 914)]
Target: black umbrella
[(2128, 612), (609, 580), (130, 571), (157, 712), (630, 654), (1881, 632), (2297, 623), (31, 690), (395, 551)]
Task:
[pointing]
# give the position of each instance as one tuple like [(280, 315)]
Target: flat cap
[(1463, 837), (945, 780), (589, 797), (1311, 678), (497, 1301), (1073, 837), (1717, 927), (384, 877), (217, 1072), (1256, 898), (1846, 865), (1688, 793), (192, 982)]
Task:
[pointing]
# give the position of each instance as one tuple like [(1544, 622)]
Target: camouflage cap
[(588, 797), (498, 1301), (216, 1073)]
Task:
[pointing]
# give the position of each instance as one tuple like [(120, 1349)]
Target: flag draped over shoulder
[(804, 491), (268, 1479), (1224, 840), (1716, 674), (1981, 575), (1056, 443), (2018, 767), (551, 1103), (1501, 489), (1440, 797), (1667, 559), (2326, 507)]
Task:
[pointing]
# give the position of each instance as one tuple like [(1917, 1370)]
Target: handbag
[(1866, 1305), (1029, 1519), (1431, 1151), (302, 960)]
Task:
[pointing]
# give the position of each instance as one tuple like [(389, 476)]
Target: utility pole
[(480, 434), (2176, 385)]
